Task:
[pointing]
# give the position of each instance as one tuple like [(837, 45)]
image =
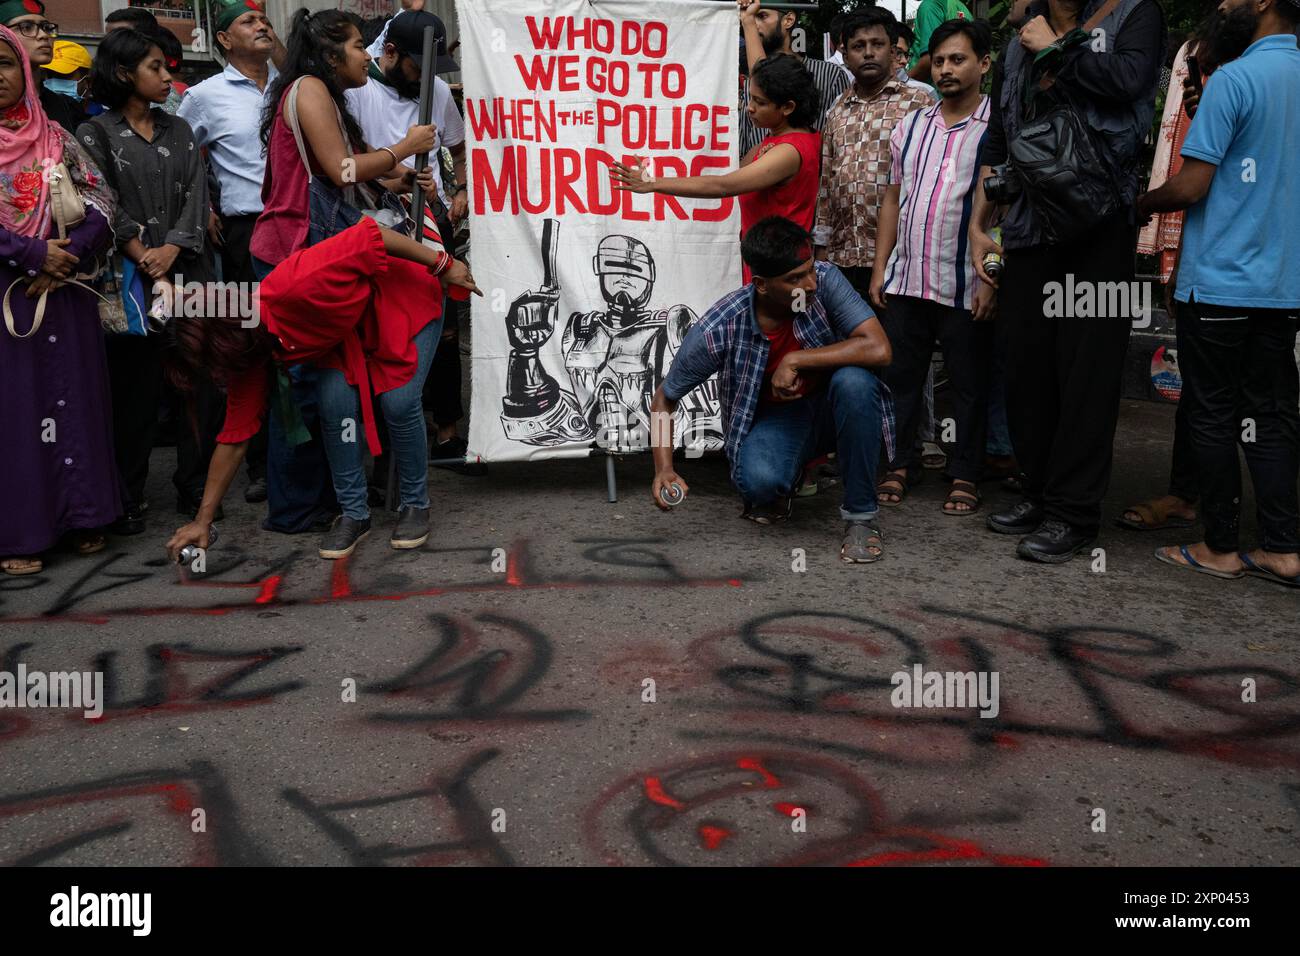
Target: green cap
[(13, 9), (226, 12)]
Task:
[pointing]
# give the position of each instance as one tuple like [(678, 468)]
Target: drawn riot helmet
[(627, 276)]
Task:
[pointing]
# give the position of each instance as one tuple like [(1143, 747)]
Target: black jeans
[(299, 490), (1184, 476), (1240, 385), (135, 379), (237, 266), (913, 325), (1064, 373)]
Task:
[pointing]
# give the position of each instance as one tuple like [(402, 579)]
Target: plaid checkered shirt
[(727, 341), (855, 169)]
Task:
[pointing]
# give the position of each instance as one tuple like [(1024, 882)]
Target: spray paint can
[(993, 261), (672, 494), (191, 551)]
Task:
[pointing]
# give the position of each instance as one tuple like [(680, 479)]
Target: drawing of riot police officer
[(614, 359)]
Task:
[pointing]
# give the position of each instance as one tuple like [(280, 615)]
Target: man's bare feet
[(1226, 561), (1279, 562)]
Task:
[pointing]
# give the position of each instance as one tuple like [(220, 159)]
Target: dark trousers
[(299, 491), (442, 389), (1240, 385), (1184, 477), (860, 278), (237, 266), (913, 325), (1064, 373), (135, 379)]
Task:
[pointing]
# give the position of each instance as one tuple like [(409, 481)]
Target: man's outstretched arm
[(693, 364)]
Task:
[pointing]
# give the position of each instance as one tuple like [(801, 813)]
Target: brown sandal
[(896, 484), (88, 542), (958, 495), (1153, 516), (25, 566)]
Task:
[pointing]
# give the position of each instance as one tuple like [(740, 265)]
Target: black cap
[(406, 32)]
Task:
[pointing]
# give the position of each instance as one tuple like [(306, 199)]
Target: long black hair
[(313, 39), (123, 48)]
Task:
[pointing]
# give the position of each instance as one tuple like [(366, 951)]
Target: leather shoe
[(255, 493), (342, 538), (132, 522), (1055, 542), (1021, 518), (412, 528)]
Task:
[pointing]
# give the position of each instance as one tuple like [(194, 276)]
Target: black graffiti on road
[(475, 840), (159, 804), (477, 686)]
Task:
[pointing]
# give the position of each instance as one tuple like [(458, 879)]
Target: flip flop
[(1195, 565), (1259, 571), (1148, 515)]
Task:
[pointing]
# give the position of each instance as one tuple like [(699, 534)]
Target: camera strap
[(1051, 55)]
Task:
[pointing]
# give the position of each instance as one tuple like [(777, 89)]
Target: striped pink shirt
[(936, 168)]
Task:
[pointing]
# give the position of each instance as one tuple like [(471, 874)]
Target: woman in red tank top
[(780, 176), (327, 55)]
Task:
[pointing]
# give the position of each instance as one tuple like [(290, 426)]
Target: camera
[(1003, 187)]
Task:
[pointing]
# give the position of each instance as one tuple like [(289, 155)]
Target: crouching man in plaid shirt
[(793, 352)]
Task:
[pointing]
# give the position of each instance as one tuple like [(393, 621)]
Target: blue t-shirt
[(1241, 242)]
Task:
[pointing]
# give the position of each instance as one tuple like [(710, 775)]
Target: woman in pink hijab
[(58, 477)]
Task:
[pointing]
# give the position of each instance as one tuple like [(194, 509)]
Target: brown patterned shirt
[(855, 169)]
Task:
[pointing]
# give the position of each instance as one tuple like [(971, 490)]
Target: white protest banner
[(588, 290)]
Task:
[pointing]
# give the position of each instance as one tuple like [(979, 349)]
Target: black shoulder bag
[(1058, 159)]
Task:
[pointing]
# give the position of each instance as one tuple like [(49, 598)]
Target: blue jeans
[(844, 417), (404, 414), (298, 493)]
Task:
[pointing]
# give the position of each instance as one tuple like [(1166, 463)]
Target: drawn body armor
[(614, 359)]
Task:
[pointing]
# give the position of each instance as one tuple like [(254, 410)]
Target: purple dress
[(56, 426)]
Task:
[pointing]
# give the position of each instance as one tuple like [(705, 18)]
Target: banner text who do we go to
[(590, 290)]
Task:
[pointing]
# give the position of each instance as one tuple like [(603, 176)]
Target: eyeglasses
[(30, 28)]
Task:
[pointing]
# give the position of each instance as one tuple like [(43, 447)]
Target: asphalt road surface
[(555, 679)]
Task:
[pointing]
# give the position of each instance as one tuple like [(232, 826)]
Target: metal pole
[(426, 114), (417, 207), (610, 481)]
